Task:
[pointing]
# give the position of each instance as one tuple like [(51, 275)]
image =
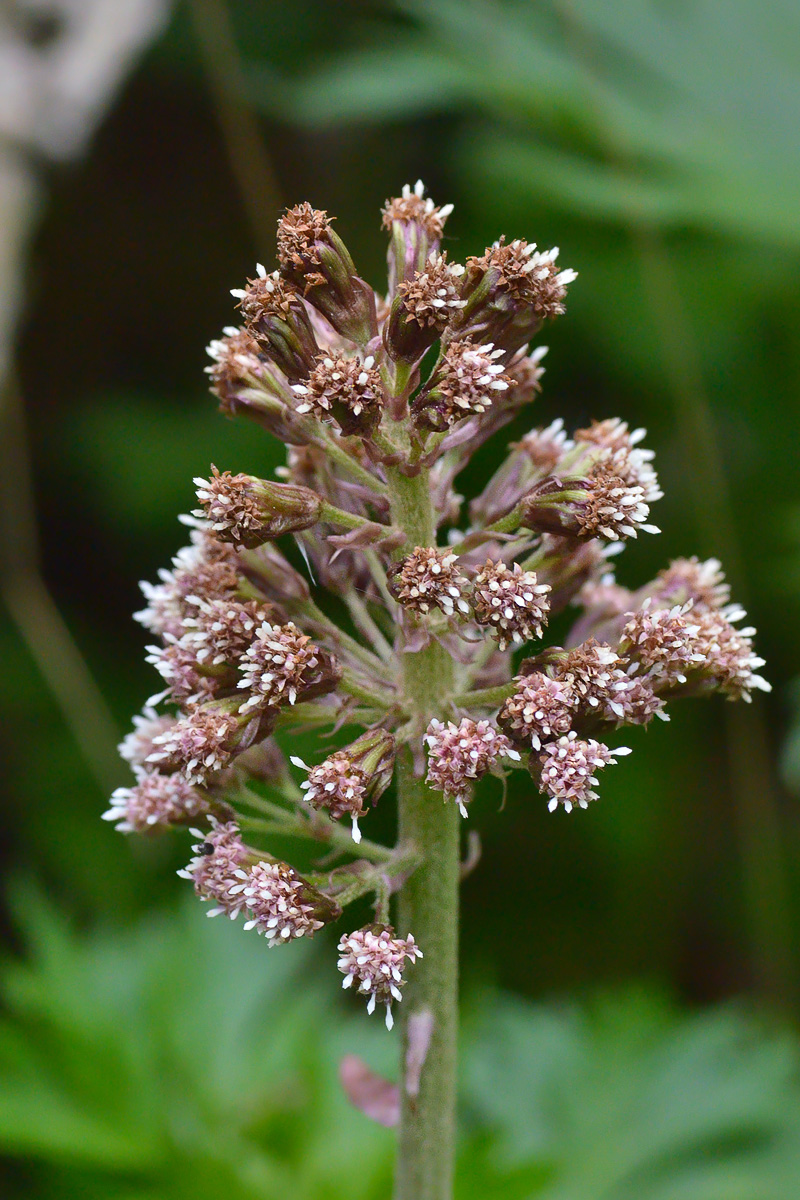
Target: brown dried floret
[(345, 389), (429, 578), (414, 205), (433, 297)]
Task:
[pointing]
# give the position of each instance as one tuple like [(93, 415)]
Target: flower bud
[(317, 262), (415, 225), (423, 308), (248, 511), (276, 318)]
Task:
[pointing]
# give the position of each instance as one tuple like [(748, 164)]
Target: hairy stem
[(428, 902)]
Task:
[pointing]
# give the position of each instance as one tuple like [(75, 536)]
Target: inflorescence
[(360, 386)]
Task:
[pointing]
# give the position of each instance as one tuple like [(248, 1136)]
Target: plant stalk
[(428, 905)]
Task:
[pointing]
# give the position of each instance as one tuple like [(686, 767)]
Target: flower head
[(727, 653), (202, 742), (467, 382), (280, 904), (540, 709), (510, 291), (206, 568), (138, 745), (663, 640), (315, 260), (633, 701), (690, 579), (213, 870), (600, 503), (594, 673), (282, 664), (220, 631), (156, 802), (429, 578), (277, 320), (347, 780), (423, 308), (345, 390), (413, 206), (248, 511), (237, 365), (187, 681), (511, 601), (624, 457), (460, 754), (567, 770), (373, 958), (545, 448)]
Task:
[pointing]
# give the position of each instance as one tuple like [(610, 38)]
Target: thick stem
[(428, 904)]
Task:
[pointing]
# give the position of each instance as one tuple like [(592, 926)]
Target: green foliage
[(676, 114), (181, 1058)]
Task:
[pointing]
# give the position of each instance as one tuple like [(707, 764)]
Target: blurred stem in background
[(247, 151), (32, 608), (751, 775), (58, 90)]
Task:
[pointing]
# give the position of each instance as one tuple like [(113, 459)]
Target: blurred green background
[(651, 943)]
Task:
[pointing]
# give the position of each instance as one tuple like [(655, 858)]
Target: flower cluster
[(374, 959), (458, 754), (429, 643)]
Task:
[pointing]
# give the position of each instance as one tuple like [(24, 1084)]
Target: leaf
[(182, 1057)]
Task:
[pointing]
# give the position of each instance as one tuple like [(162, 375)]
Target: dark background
[(657, 145)]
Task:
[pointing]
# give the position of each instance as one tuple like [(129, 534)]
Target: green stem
[(289, 824), (315, 614), (491, 697), (363, 620), (349, 464), (428, 902), (354, 686)]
